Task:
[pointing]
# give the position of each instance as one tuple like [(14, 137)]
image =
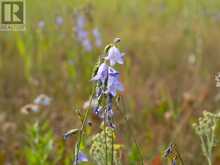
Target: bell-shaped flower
[(59, 20), (101, 74), (97, 35), (114, 84), (115, 56)]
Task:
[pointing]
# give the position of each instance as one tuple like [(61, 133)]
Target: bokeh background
[(172, 57)]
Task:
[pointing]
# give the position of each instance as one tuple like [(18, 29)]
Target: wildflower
[(99, 91), (114, 84), (81, 33), (30, 108), (97, 35), (102, 73), (109, 113), (87, 45), (107, 85), (80, 21), (59, 20), (174, 162), (42, 100), (115, 56), (41, 24), (81, 157), (98, 110)]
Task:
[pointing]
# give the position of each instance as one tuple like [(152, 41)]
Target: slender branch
[(83, 125), (106, 147), (112, 160)]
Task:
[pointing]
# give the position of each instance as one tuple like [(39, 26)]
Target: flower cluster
[(40, 101), (97, 35), (82, 34), (107, 83), (205, 129), (106, 86), (104, 141)]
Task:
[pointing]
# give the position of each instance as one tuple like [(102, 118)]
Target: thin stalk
[(181, 160), (112, 156), (83, 125), (130, 130), (106, 147)]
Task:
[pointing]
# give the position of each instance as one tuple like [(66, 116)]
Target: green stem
[(106, 147), (112, 162), (83, 125)]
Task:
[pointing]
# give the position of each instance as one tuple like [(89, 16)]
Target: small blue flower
[(41, 24), (98, 110), (42, 100), (102, 73), (97, 35), (80, 158), (59, 20), (82, 34), (174, 162), (115, 56), (80, 21), (114, 84), (87, 45), (30, 108)]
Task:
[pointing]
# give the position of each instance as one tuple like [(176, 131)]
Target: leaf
[(70, 132)]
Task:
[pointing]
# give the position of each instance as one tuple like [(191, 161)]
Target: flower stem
[(83, 125)]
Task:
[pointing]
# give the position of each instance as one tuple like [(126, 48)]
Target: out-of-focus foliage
[(39, 144)]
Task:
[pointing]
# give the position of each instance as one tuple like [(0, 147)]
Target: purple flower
[(97, 35), (114, 84), (87, 45), (42, 99), (41, 24), (102, 73), (110, 103), (174, 162), (115, 56), (81, 157), (80, 21), (59, 20), (98, 110), (82, 34)]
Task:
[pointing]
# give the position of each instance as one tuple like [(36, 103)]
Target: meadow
[(58, 106)]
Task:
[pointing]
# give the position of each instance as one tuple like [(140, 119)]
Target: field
[(169, 76)]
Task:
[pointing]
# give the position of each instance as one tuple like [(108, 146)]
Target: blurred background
[(172, 57)]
